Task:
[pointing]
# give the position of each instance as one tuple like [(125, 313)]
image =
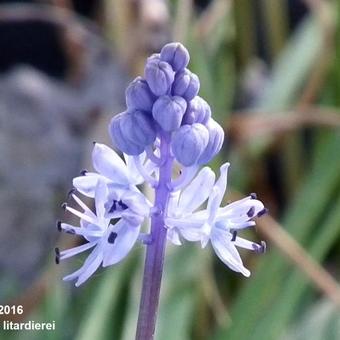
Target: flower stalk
[(155, 250)]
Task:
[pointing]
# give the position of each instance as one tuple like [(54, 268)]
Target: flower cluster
[(166, 100), (166, 125)]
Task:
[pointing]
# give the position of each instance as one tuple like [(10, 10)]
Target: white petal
[(192, 234), (221, 183), (126, 237), (173, 204), (213, 204), (240, 211), (109, 164), (136, 202), (197, 191), (90, 267), (173, 236), (87, 184), (134, 175), (227, 252), (101, 196), (183, 223)]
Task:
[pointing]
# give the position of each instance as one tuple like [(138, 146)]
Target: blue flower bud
[(159, 75), (186, 85), (139, 96), (189, 142), (176, 55), (198, 111), (139, 128), (168, 112), (118, 137), (131, 132), (216, 137)]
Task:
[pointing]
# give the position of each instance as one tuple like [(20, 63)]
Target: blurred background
[(270, 70)]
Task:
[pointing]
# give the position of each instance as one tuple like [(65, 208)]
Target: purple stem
[(155, 251)]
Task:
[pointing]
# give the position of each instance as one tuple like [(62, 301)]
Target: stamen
[(112, 237), (262, 212), (122, 205), (253, 196), (71, 192), (251, 212), (83, 172), (114, 206), (59, 225), (69, 231), (57, 255), (260, 248), (233, 238)]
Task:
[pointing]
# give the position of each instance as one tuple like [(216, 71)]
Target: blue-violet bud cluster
[(167, 128)]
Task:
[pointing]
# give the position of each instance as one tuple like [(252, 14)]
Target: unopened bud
[(198, 111), (168, 112), (117, 134), (186, 85), (176, 55), (139, 96), (159, 75), (188, 143), (216, 137)]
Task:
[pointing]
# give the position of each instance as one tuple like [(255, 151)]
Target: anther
[(233, 238), (264, 211), (71, 192), (64, 205), (113, 207), (59, 225), (263, 247), (70, 231), (253, 196), (83, 172), (260, 248), (122, 204), (112, 237), (251, 211), (57, 255)]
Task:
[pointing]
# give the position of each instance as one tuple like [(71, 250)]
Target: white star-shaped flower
[(216, 224), (110, 242)]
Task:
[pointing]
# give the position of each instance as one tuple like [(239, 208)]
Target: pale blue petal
[(173, 236), (101, 196), (126, 237), (221, 183), (87, 184), (109, 164), (197, 191), (227, 252), (240, 211), (213, 204), (134, 176), (173, 204), (90, 267)]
